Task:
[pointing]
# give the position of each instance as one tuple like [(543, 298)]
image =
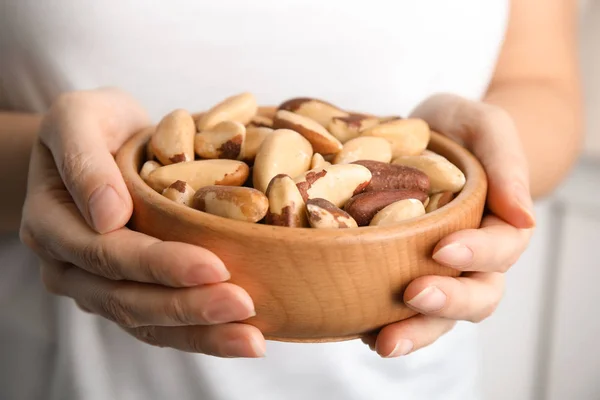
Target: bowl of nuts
[(322, 215)]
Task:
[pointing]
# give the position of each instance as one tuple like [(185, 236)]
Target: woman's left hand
[(484, 254)]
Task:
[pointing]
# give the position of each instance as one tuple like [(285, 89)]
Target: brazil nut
[(199, 173), (323, 214), (238, 203), (398, 212)]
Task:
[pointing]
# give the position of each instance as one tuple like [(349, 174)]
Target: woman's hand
[(483, 255), (164, 293)]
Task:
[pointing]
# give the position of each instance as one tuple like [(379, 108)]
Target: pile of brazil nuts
[(310, 164)]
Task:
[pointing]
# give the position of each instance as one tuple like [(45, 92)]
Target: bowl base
[(313, 340)]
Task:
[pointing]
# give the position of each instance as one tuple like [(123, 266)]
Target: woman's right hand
[(164, 293)]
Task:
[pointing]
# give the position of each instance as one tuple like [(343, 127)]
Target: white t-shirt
[(380, 56)]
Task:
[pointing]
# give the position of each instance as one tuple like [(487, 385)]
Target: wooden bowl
[(314, 285)]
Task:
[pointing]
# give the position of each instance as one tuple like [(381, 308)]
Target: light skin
[(526, 132)]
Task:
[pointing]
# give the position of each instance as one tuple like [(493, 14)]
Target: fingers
[(495, 247), (492, 136), (472, 297), (53, 225), (135, 307), (412, 334), (131, 304), (83, 130), (228, 340), (369, 340)]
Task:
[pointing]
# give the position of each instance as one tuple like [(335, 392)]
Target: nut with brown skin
[(147, 168), (238, 203), (224, 140), (315, 109), (286, 205), (392, 176), (398, 212), (439, 200), (323, 214), (173, 140), (364, 148), (364, 206), (199, 173), (180, 192), (318, 161), (255, 137), (349, 127), (443, 175), (335, 183), (407, 136), (321, 140), (260, 121), (240, 108), (282, 152)]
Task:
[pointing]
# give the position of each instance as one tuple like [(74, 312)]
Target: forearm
[(548, 118), (17, 134)]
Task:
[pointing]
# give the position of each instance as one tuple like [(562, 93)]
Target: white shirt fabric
[(379, 56)]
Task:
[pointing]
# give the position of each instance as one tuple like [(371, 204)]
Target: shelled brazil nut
[(306, 164)]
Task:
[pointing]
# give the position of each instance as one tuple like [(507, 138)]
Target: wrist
[(18, 131)]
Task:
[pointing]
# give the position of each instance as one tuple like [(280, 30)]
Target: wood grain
[(314, 285)]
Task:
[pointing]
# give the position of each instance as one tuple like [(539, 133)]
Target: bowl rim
[(475, 186)]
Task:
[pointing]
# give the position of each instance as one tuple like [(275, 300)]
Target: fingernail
[(221, 311), (526, 204), (106, 209), (429, 300), (454, 255), (250, 347), (402, 348), (204, 274), (258, 346)]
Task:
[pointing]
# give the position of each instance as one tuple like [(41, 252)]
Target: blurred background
[(541, 344)]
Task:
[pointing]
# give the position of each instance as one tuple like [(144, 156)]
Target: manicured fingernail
[(220, 311), (524, 199), (241, 347), (205, 274), (455, 255), (402, 348), (106, 209), (429, 300)]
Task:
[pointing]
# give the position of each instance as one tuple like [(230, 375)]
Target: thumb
[(490, 133), (83, 130)]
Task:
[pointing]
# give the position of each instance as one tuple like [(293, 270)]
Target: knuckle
[(65, 104), (70, 101), (485, 118), (148, 335), (28, 237), (113, 307), (147, 264), (504, 267), (449, 327), (493, 115), (82, 307), (73, 165), (96, 257), (197, 343), (178, 311), (512, 260), (490, 308), (487, 310)]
